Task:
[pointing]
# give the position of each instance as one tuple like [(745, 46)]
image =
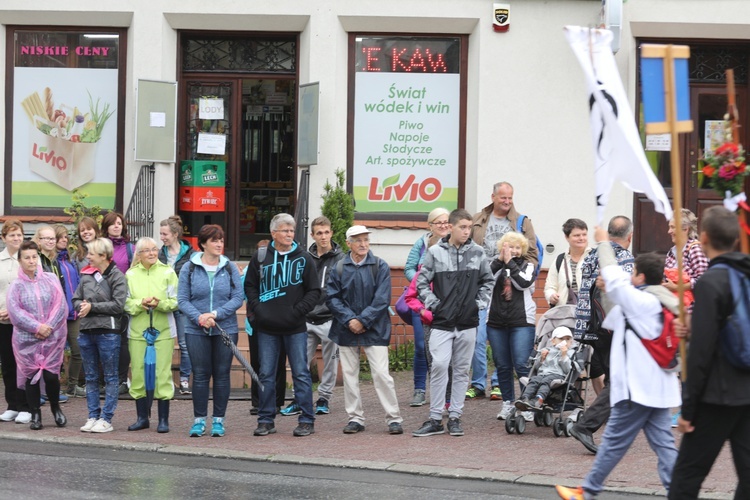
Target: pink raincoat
[(32, 303)]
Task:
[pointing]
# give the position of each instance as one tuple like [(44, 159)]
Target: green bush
[(338, 206)]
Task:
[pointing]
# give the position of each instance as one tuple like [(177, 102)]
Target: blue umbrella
[(149, 360)]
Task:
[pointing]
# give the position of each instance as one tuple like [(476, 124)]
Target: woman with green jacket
[(152, 286)]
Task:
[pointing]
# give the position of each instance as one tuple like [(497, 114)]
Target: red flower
[(727, 147), (708, 171)]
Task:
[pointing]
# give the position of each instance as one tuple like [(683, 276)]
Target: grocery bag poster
[(64, 136)]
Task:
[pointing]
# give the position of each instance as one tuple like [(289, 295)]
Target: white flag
[(618, 151)]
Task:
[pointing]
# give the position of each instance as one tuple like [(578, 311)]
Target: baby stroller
[(568, 394)]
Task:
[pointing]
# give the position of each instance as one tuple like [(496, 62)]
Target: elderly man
[(488, 226), (281, 290), (359, 293)]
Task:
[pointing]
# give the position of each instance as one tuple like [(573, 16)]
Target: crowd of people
[(120, 307)]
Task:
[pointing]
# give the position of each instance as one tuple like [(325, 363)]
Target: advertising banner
[(406, 128), (64, 120)]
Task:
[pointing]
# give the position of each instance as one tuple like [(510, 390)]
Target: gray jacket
[(106, 292)]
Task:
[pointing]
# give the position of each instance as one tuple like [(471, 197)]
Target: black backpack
[(597, 316)]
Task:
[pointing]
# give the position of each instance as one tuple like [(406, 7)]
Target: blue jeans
[(625, 421), (479, 361), (185, 367), (296, 351), (101, 348), (511, 348), (420, 359), (211, 359)]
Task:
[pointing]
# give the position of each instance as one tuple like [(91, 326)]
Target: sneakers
[(23, 417), (304, 429), (418, 399), (495, 394), (185, 387), (199, 428), (523, 404), (528, 416), (429, 428), (89, 425), (675, 418), (264, 430), (570, 493), (475, 393), (63, 398), (454, 427), (353, 428), (505, 410), (101, 426), (217, 427), (321, 407), (395, 428), (76, 391), (123, 388), (292, 409), (9, 415)]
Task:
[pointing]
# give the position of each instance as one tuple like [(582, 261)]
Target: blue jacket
[(71, 278), (355, 294), (196, 295), (416, 256)]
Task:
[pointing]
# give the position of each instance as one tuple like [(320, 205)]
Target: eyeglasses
[(149, 250), (287, 231), (441, 224), (48, 238), (360, 242)]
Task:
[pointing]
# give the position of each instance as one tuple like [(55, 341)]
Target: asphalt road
[(49, 471)]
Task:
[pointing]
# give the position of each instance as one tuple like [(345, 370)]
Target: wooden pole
[(674, 156), (734, 123)]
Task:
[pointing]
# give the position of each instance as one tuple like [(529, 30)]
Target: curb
[(420, 470)]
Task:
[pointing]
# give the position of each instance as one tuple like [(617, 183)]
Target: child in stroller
[(565, 393), (553, 364)]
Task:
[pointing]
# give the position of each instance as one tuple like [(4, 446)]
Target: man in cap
[(359, 293)]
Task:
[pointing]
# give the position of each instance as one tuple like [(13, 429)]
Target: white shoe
[(89, 425), (102, 426), (9, 415), (528, 416), (23, 417), (506, 409)]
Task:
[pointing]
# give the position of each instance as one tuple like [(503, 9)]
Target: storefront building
[(423, 104)]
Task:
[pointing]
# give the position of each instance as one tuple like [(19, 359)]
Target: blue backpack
[(735, 334), (539, 246)]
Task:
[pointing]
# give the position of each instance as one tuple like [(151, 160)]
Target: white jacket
[(556, 281), (634, 374)]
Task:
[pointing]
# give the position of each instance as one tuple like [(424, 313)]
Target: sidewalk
[(485, 452)]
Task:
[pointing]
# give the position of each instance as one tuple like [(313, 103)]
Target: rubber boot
[(163, 416), (36, 420), (60, 419), (142, 408)]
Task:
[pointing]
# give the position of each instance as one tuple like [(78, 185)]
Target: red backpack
[(664, 347)]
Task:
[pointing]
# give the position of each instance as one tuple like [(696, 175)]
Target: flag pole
[(674, 156)]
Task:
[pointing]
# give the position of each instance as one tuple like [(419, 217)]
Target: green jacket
[(158, 281)]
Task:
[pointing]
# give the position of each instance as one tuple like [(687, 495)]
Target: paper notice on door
[(212, 144), (211, 109), (658, 142), (157, 119)]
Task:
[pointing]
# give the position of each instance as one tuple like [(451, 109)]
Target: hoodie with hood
[(183, 256), (282, 290), (712, 380)]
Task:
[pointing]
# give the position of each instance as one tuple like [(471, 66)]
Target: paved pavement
[(485, 452)]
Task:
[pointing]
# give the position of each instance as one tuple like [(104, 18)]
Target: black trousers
[(51, 384), (280, 373), (714, 425), (597, 414), (124, 362), (15, 397)]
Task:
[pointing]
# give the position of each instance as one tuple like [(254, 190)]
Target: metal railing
[(140, 214)]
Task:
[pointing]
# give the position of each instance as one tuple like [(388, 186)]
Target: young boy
[(555, 365), (454, 284)]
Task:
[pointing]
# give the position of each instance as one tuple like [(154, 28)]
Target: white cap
[(356, 231), (561, 332)]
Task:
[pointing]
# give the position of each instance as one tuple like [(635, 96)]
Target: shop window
[(406, 136)]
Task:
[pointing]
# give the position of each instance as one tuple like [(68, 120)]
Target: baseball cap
[(356, 231), (561, 332)]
